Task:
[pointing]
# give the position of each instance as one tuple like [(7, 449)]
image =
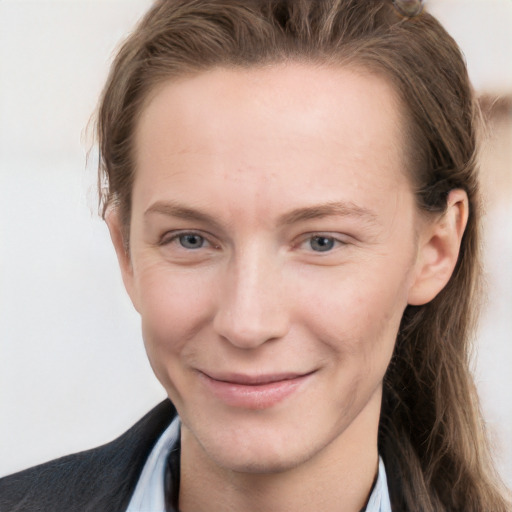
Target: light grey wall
[(73, 372)]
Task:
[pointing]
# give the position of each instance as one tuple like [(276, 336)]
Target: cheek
[(359, 317), (174, 307)]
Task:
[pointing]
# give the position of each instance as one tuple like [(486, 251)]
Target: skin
[(274, 236)]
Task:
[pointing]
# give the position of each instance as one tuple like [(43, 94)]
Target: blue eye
[(191, 241), (322, 243)]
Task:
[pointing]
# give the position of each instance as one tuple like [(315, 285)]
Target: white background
[(73, 373)]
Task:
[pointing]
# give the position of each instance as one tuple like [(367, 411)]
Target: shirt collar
[(149, 494)]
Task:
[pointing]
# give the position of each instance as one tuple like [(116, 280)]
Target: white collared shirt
[(149, 494)]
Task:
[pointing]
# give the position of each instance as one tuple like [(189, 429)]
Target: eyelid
[(172, 236), (339, 238)]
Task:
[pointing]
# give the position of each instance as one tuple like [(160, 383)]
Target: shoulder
[(101, 479)]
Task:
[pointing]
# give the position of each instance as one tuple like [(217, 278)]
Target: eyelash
[(170, 238), (335, 242), (311, 238)]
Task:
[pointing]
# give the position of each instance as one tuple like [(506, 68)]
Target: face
[(273, 248)]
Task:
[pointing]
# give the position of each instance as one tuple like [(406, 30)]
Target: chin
[(260, 460), (260, 449)]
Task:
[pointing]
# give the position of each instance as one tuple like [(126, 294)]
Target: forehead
[(306, 95), (294, 127)]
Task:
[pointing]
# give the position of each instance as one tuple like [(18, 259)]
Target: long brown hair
[(431, 432)]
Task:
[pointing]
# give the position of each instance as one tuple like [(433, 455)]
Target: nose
[(252, 305)]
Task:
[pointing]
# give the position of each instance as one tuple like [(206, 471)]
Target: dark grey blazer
[(98, 480)]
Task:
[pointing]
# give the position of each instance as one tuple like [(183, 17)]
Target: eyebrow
[(173, 209), (331, 209)]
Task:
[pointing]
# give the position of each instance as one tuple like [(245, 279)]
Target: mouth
[(253, 391)]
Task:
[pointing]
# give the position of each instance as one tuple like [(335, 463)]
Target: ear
[(438, 250), (118, 236)]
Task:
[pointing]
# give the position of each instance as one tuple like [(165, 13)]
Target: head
[(186, 114)]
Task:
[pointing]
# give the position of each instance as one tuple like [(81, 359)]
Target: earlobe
[(438, 249), (118, 237)]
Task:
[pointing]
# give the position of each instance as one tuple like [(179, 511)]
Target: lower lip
[(259, 396)]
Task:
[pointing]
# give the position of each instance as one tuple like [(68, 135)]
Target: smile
[(253, 392)]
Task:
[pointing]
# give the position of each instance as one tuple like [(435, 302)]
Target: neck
[(337, 479)]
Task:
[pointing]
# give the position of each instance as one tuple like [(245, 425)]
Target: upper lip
[(253, 380)]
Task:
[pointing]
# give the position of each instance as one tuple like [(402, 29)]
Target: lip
[(253, 391)]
